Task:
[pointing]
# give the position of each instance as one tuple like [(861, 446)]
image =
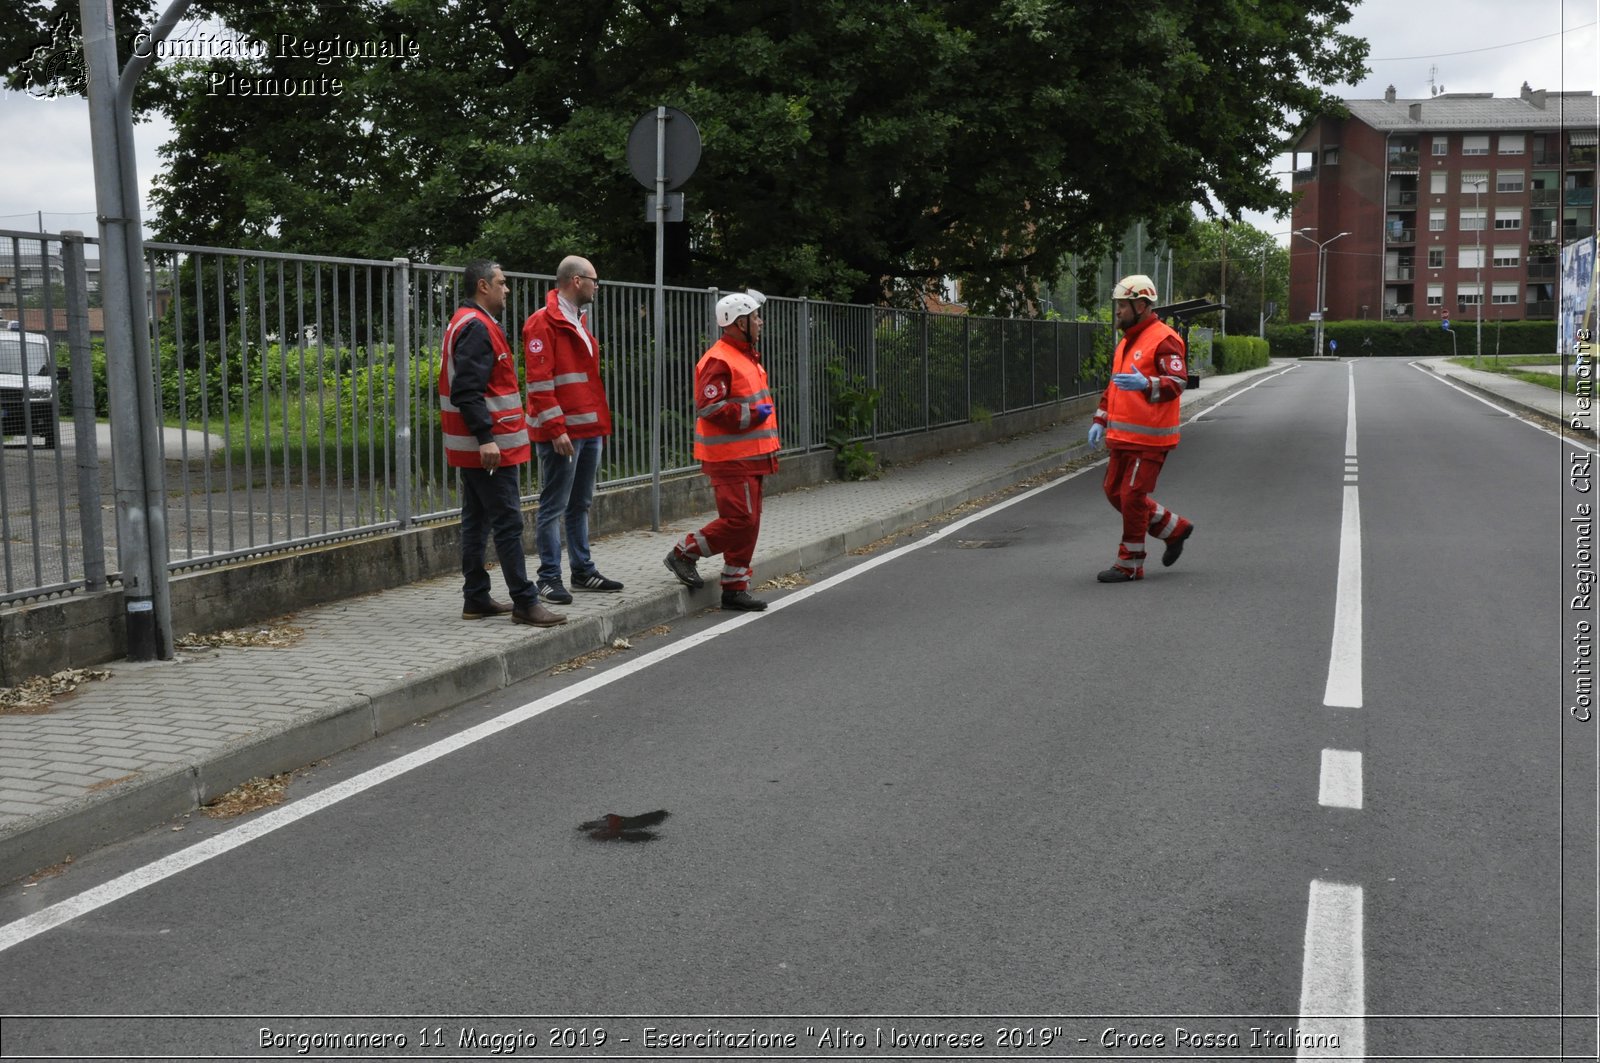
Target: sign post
[(663, 151)]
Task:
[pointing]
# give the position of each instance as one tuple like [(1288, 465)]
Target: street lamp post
[(1322, 262), (1477, 185)]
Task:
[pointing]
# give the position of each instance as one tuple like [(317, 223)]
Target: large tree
[(853, 149), (1217, 259)]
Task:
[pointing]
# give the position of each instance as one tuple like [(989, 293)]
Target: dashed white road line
[(1333, 991), (1340, 780)]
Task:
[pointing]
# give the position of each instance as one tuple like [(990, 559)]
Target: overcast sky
[(1473, 45)]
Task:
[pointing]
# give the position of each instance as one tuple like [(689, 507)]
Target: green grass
[(1512, 365)]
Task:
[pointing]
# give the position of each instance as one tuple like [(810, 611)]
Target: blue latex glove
[(1133, 380), (1097, 435), (763, 411)]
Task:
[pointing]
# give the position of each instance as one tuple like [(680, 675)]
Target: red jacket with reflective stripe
[(501, 395), (564, 389), (727, 426), (1146, 418)]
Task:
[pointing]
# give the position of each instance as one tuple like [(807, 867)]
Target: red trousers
[(733, 533), (1130, 477)]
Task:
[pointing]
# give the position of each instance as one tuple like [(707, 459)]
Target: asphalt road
[(968, 781)]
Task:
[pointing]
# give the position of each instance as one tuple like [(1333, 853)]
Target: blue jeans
[(492, 505), (566, 490)]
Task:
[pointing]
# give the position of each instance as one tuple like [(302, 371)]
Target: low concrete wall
[(87, 629)]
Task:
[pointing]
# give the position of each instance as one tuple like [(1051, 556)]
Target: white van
[(27, 391)]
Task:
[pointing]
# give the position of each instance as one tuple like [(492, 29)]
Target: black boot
[(740, 601)]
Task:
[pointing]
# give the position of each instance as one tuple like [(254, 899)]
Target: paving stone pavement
[(158, 739)]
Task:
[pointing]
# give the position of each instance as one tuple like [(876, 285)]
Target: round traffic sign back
[(683, 148)]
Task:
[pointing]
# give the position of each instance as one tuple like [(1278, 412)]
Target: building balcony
[(1542, 308), (1399, 198), (1400, 236), (1580, 197), (1404, 273), (1570, 233), (1395, 311), (1544, 197), (1547, 158), (1403, 160), (1543, 271), (1543, 230), (1581, 155)]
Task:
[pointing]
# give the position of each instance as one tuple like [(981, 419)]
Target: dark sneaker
[(740, 601), (537, 615), (484, 608), (553, 592), (594, 582), (1174, 548), (1120, 575), (683, 568)]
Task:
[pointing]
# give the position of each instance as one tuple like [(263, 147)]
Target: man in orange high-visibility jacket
[(486, 431), (736, 440), (1138, 420)]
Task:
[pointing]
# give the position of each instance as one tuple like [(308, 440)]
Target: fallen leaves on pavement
[(784, 583), (36, 694), (250, 796), (588, 660), (277, 636)]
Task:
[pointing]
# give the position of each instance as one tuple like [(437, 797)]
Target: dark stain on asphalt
[(614, 828)]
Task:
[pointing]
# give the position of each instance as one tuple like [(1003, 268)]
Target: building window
[(1469, 258), (1330, 156), (1436, 258), (1511, 143), (1439, 182), (1441, 145), (1508, 181), (1508, 218), (1435, 295), (1472, 219), (1507, 256), (1436, 220), (1474, 180), (1469, 295), (1478, 145), (1503, 294)]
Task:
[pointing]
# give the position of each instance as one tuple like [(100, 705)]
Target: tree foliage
[(1256, 264), (855, 149)]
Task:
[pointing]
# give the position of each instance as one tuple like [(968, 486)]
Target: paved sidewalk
[(1517, 395), (158, 739)]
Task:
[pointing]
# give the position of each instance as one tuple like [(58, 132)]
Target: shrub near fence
[(1235, 354), (1416, 339)]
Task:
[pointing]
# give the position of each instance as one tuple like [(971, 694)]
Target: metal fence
[(300, 403)]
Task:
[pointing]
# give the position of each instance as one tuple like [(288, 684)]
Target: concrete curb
[(1504, 400), (120, 811)]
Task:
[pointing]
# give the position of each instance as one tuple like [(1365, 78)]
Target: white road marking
[(15, 933), (1236, 394), (1343, 689), (1333, 988), (1340, 785), (1568, 440)]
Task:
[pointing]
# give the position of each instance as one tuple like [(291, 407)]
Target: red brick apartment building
[(1453, 204)]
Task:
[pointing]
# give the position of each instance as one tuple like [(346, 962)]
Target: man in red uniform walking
[(1138, 420), (736, 440)]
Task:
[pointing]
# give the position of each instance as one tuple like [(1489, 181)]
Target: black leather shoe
[(1174, 548), (1119, 575), (484, 608), (683, 568), (537, 615), (740, 601)]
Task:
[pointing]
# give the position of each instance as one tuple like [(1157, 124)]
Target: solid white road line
[(1343, 689), (1236, 394), (1333, 990), (1340, 785), (1571, 442), (45, 919)]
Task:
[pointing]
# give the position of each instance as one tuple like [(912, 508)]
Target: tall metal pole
[(660, 315), (1478, 357)]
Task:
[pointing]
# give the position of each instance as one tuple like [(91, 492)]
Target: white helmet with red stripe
[(1135, 286)]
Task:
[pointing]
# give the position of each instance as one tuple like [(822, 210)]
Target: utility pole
[(138, 474)]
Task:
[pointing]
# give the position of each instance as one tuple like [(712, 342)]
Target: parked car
[(27, 386)]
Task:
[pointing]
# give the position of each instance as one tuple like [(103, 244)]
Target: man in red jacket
[(1138, 420), (485, 431), (569, 421), (736, 440)]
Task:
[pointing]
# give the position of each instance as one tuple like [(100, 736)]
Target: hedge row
[(1414, 339), (1234, 354)]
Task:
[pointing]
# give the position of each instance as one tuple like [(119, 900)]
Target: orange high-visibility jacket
[(502, 395), (1146, 418), (715, 442)]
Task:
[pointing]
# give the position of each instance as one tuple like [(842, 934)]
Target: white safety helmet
[(731, 308), (1135, 286)]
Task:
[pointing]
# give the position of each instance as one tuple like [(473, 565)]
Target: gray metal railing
[(299, 397)]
